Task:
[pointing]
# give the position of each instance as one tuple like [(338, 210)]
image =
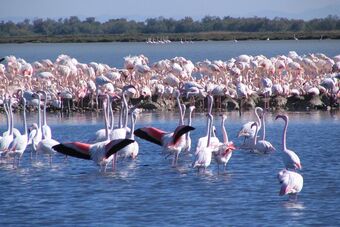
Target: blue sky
[(103, 10)]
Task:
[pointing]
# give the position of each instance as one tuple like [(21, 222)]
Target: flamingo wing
[(150, 134), (115, 145), (75, 149), (181, 130)]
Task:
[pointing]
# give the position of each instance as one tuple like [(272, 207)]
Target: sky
[(102, 10)]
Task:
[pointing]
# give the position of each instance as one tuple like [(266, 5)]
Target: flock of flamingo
[(110, 143), (44, 83), (68, 81)]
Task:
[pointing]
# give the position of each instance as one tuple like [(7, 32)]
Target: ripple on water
[(148, 191)]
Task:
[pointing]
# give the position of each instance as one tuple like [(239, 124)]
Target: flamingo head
[(254, 124), (224, 117), (283, 116), (229, 148)]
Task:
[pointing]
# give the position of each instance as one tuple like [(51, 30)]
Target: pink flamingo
[(224, 152), (172, 142), (290, 159), (101, 153), (291, 183)]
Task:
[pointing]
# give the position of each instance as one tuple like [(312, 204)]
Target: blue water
[(148, 191), (113, 53)]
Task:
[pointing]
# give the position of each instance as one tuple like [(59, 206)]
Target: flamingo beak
[(231, 146)]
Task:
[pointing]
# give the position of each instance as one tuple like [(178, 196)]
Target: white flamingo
[(204, 152), (8, 137), (19, 144), (35, 135), (290, 159), (291, 183), (224, 152), (46, 130), (248, 132), (187, 147), (132, 149), (261, 146)]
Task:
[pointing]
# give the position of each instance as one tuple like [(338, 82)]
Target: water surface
[(113, 53), (148, 191)]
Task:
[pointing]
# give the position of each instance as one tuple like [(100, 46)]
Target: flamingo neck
[(133, 124), (208, 126), (180, 111), (258, 118), (120, 116), (44, 116), (39, 117), (189, 122), (263, 128), (211, 103), (209, 131), (110, 113), (106, 122), (11, 119), (7, 116), (25, 122), (224, 133), (255, 137), (284, 135), (126, 111)]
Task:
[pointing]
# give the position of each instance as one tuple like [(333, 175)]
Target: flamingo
[(132, 149), (204, 153), (290, 158), (19, 144), (261, 146), (100, 135), (224, 152), (35, 135), (45, 146), (172, 142), (291, 183), (7, 138), (214, 142), (248, 132), (187, 147), (101, 153), (46, 130), (121, 131)]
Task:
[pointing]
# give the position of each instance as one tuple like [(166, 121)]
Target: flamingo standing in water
[(291, 183), (224, 152), (7, 137), (187, 147), (46, 130), (132, 149), (35, 135), (102, 153), (290, 159), (204, 152), (214, 141), (19, 144), (248, 132), (261, 146), (172, 143)]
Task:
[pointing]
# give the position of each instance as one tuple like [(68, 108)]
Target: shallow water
[(148, 191), (113, 53)]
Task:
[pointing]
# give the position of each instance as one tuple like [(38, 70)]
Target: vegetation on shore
[(209, 28)]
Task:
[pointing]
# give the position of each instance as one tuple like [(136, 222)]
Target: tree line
[(90, 26)]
